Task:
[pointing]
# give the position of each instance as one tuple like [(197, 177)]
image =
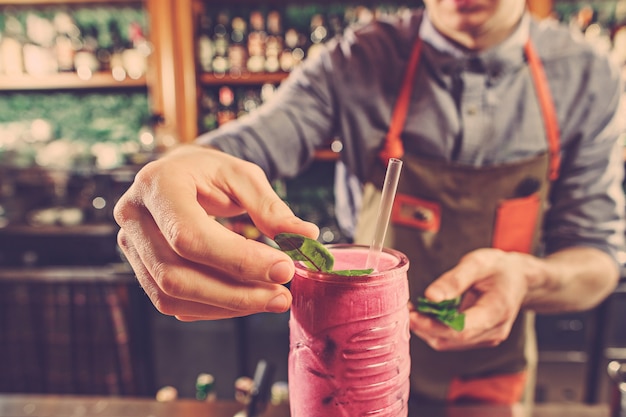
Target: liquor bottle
[(238, 48), (335, 25), (117, 48), (205, 387), (64, 44), (243, 389), (267, 91), (293, 52), (206, 47), (135, 55), (105, 44), (11, 46), (279, 393), (208, 105), (85, 60), (319, 34), (274, 44), (38, 55), (220, 64), (257, 39), (250, 101), (227, 110), (166, 394)]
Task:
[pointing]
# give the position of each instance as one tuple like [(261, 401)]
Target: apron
[(444, 210)]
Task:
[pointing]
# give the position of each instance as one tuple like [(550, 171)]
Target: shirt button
[(471, 110)]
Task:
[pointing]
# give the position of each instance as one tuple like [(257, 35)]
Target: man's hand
[(494, 284), (190, 265)]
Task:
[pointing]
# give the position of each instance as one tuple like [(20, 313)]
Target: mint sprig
[(446, 311), (313, 254)]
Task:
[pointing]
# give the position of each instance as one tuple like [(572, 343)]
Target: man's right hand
[(189, 264)]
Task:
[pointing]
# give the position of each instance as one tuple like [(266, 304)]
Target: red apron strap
[(393, 147), (497, 389), (547, 108)]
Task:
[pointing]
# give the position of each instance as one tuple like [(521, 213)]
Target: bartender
[(510, 194)]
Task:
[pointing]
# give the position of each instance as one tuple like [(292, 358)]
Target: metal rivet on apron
[(423, 214)]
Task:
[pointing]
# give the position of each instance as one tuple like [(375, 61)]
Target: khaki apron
[(443, 211)]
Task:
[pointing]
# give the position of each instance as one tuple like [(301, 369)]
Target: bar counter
[(77, 406)]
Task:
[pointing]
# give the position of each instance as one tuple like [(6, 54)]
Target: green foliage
[(313, 254), (446, 311), (310, 251), (87, 117)]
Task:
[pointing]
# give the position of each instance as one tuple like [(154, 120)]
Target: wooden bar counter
[(76, 406)]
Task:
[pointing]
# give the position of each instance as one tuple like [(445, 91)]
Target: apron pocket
[(416, 213), (516, 221)]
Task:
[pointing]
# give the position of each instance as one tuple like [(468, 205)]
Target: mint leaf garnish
[(353, 272), (310, 251), (446, 311), (313, 254)]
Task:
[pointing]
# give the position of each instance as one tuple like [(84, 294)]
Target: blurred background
[(90, 91)]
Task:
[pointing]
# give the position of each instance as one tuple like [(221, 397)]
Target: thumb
[(471, 268)]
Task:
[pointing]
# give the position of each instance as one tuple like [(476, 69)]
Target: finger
[(473, 267), (179, 287), (219, 315), (442, 338), (266, 209), (197, 237)]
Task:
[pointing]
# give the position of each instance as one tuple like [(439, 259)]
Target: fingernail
[(281, 272), (278, 304), (436, 294)]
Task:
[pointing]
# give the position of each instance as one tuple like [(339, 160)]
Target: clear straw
[(390, 186)]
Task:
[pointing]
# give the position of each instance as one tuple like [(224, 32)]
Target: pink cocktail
[(349, 338)]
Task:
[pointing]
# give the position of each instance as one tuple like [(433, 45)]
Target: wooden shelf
[(63, 2), (210, 79), (95, 230), (63, 81), (112, 273)]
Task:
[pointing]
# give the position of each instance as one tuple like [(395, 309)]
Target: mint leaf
[(446, 311), (313, 254), (310, 251), (353, 272)]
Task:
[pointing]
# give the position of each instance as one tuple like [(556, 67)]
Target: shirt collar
[(447, 57)]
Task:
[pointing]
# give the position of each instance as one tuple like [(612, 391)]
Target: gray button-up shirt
[(476, 109)]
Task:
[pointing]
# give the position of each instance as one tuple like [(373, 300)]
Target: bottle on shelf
[(104, 48), (135, 55), (250, 101), (243, 389), (66, 41), (238, 48), (274, 43), (294, 50), (117, 48), (319, 34), (206, 47), (11, 46), (279, 393), (227, 109), (220, 64), (257, 38), (205, 387), (39, 58), (208, 109), (167, 393), (86, 61)]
